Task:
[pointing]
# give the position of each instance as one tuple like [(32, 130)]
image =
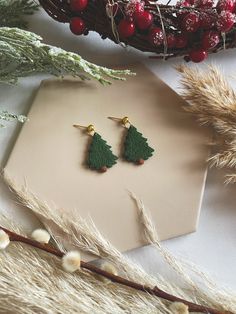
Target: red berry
[(134, 7), (198, 55), (182, 12), (144, 20), (191, 22), (78, 5), (138, 10), (210, 39), (171, 40), (225, 5), (126, 28), (183, 3), (77, 26), (204, 3), (155, 36), (207, 21), (226, 21), (181, 41)]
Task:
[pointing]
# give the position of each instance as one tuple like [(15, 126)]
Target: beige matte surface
[(49, 154)]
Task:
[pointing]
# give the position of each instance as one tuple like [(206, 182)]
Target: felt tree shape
[(136, 148), (100, 156)]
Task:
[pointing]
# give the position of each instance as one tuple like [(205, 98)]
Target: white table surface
[(213, 246)]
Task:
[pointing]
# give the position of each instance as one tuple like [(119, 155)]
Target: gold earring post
[(124, 120), (90, 129), (115, 119), (79, 126)]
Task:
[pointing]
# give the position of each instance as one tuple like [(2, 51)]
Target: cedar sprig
[(24, 54), (6, 116), (13, 12)]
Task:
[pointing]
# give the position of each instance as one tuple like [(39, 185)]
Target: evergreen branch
[(6, 116), (12, 12), (22, 54)]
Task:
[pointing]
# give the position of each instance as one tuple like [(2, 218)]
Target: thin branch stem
[(114, 278)]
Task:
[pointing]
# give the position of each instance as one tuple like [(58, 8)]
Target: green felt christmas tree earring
[(136, 148), (100, 156)]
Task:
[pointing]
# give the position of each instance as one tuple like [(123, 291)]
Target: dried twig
[(115, 278)]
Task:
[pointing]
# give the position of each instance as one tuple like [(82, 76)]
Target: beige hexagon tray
[(50, 154)]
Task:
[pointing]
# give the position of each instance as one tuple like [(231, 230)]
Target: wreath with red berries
[(191, 28)]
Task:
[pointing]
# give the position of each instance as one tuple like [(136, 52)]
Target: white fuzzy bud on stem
[(110, 268), (179, 308), (4, 239), (41, 236), (71, 261)]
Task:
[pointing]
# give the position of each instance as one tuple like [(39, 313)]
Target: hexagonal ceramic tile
[(50, 155)]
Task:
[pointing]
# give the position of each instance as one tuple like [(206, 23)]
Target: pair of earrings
[(100, 156)]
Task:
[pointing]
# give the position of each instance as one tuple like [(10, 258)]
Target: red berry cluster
[(136, 17), (210, 24), (193, 19), (77, 24)]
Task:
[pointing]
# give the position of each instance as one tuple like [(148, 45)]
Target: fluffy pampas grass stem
[(212, 100), (114, 298)]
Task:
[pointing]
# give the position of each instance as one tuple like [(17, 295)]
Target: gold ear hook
[(114, 119), (89, 129), (124, 120)]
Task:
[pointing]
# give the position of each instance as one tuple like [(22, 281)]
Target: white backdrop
[(213, 246)]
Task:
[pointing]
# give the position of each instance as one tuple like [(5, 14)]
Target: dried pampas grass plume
[(213, 101), (202, 287), (34, 282), (94, 270), (84, 236), (41, 235)]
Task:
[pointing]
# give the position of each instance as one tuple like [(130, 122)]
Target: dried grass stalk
[(85, 236), (213, 101), (204, 289), (34, 282)]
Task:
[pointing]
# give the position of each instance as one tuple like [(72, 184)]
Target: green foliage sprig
[(12, 12), (22, 53), (6, 116)]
